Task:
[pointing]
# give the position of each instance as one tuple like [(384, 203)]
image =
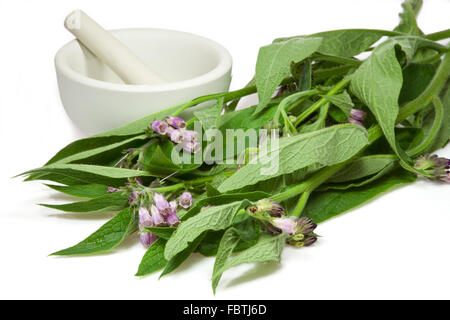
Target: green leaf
[(120, 145), (229, 241), (345, 42), (273, 64), (343, 101), (162, 232), (361, 182), (325, 147), (377, 83), (267, 249), (416, 78), (214, 218), (220, 200), (107, 237), (153, 259), (82, 190), (180, 257), (89, 173), (109, 202), (322, 206), (209, 117), (408, 23), (363, 167)]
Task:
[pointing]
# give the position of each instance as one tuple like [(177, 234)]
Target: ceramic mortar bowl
[(96, 99)]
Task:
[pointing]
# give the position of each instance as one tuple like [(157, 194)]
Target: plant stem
[(340, 85), (440, 35), (301, 204)]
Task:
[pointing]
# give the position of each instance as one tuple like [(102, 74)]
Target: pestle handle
[(110, 50)]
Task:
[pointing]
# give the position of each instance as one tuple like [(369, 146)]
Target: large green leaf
[(377, 82), (322, 206), (82, 190), (88, 173), (363, 167), (215, 218), (273, 64), (109, 202), (107, 237), (325, 147), (267, 249)]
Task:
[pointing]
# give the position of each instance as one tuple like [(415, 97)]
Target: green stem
[(301, 204), (440, 35), (340, 85), (228, 96)]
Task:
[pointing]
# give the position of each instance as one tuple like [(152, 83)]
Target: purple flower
[(176, 122), (112, 189), (161, 203), (287, 225), (357, 114), (145, 219), (147, 238), (172, 219), (354, 121), (159, 127), (169, 131), (191, 146), (176, 135), (158, 219), (185, 200), (189, 135)]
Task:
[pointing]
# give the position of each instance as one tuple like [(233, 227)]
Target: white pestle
[(130, 68)]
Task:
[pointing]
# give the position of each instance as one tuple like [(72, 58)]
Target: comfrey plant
[(216, 184)]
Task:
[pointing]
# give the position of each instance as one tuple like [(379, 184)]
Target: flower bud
[(147, 238), (270, 206), (191, 146), (185, 200), (176, 122), (287, 225), (158, 219), (172, 219), (354, 121), (357, 114), (190, 135), (309, 240), (161, 203), (145, 219), (305, 225), (112, 189), (159, 127), (437, 167), (176, 136)]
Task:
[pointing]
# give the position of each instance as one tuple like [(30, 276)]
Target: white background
[(393, 247)]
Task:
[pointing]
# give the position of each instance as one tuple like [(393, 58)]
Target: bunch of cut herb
[(329, 126)]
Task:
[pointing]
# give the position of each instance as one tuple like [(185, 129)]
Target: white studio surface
[(393, 247)]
